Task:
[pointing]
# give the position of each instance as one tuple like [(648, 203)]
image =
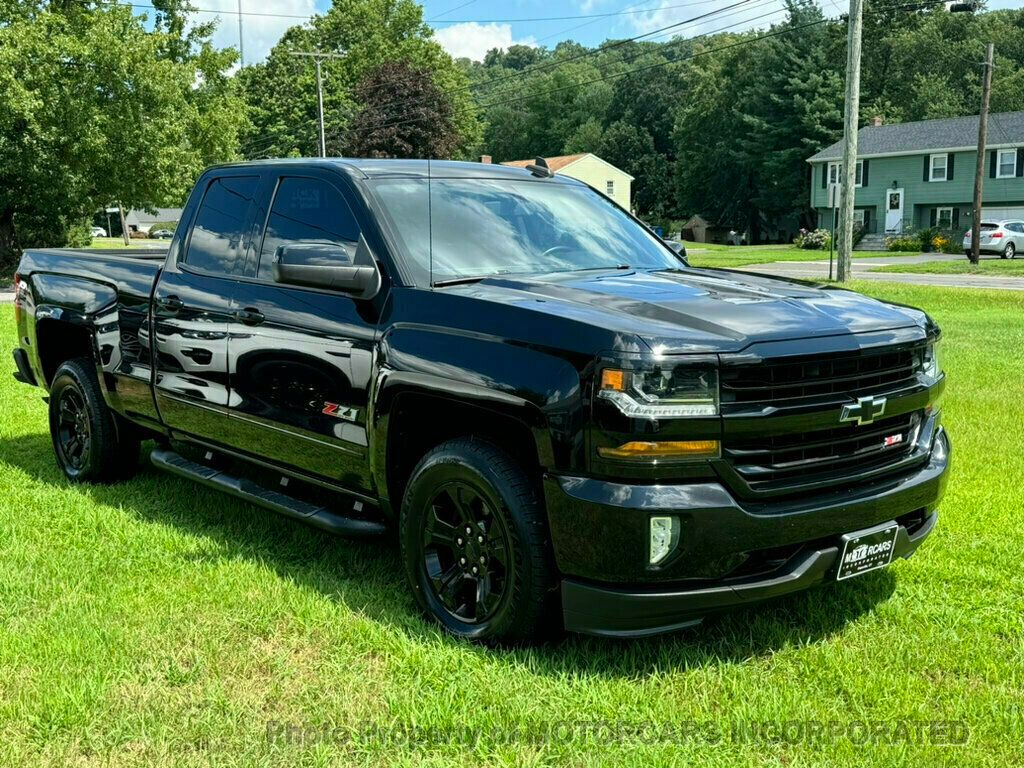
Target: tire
[(1010, 251), (91, 444), (496, 585)]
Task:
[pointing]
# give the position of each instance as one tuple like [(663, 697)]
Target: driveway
[(818, 270)]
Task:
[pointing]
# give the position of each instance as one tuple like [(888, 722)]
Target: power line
[(738, 43), (544, 66), (603, 49), (432, 20)]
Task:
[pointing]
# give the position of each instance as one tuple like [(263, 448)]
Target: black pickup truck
[(562, 421)]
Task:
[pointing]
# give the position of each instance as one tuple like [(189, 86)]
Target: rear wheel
[(475, 545), (91, 444), (1010, 251)]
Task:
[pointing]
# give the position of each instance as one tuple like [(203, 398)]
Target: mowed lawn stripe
[(155, 622)]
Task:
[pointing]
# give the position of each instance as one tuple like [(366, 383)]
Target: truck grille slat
[(784, 381), (810, 457)]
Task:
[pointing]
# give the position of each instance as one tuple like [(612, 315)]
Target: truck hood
[(691, 310)]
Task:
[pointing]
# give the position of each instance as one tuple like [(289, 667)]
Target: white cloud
[(668, 12), (259, 33), (473, 40)]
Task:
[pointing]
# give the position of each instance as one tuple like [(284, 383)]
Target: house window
[(834, 173), (858, 217), (609, 188), (944, 218), (937, 167), (1006, 163)]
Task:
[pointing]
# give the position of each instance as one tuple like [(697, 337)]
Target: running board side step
[(247, 490)]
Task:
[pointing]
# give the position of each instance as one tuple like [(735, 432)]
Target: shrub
[(925, 237), (903, 243), (814, 240)]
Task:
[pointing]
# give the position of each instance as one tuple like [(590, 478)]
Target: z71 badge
[(339, 411)]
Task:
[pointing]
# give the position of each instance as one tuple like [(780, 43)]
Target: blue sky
[(471, 27)]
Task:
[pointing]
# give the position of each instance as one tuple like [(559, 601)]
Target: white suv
[(1003, 237)]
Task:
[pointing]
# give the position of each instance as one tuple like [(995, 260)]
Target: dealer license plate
[(867, 550)]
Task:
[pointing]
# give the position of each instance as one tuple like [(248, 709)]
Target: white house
[(143, 221)]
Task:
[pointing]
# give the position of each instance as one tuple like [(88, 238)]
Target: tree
[(94, 109), (281, 92), (403, 115)]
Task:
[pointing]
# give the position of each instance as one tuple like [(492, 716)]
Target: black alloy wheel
[(466, 553), (475, 545), (91, 443), (74, 435)]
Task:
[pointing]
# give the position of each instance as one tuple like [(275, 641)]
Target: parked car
[(561, 422), (98, 232), (1003, 237), (162, 234)]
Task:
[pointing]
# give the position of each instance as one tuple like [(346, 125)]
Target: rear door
[(301, 358), (193, 308)]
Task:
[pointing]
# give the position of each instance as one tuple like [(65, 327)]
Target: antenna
[(539, 168)]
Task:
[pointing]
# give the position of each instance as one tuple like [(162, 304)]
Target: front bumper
[(730, 553)]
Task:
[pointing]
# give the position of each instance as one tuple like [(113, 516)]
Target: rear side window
[(307, 211), (216, 244)]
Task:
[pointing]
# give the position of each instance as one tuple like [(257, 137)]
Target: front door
[(894, 211), (193, 309), (301, 358)]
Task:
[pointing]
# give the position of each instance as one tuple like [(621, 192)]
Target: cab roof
[(372, 168)]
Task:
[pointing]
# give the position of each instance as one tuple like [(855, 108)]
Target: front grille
[(829, 456), (787, 381)]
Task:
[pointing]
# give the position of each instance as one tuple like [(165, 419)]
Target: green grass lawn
[(157, 623), (118, 242), (711, 255), (995, 267)]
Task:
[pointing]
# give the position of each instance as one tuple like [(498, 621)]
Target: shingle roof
[(556, 163), (1004, 128)]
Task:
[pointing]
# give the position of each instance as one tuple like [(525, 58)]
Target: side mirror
[(329, 266), (679, 249)]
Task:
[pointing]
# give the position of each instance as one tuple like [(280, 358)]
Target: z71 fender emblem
[(339, 411), (864, 411)]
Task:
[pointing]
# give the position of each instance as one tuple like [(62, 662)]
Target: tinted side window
[(307, 211), (216, 242)]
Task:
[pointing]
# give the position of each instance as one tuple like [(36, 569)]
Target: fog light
[(664, 537), (939, 449)]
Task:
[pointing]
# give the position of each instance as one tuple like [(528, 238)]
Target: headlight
[(932, 365), (662, 392)]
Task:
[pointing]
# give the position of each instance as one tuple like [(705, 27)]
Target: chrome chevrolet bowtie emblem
[(864, 411)]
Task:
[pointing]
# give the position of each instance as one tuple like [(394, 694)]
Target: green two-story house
[(915, 175)]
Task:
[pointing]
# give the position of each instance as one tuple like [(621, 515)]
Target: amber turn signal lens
[(684, 449), (613, 379)]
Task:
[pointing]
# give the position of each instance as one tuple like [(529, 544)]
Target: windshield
[(477, 227)]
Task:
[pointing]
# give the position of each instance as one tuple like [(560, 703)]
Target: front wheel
[(90, 444), (475, 544)]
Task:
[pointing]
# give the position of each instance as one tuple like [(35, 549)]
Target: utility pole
[(317, 57), (979, 169), (241, 45), (851, 113)]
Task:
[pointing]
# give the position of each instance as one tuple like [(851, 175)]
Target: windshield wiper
[(467, 279), (595, 269)]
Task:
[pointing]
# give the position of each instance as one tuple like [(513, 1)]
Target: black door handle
[(249, 316), (170, 303)]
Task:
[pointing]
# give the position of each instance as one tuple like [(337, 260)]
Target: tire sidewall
[(439, 467), (67, 377)]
